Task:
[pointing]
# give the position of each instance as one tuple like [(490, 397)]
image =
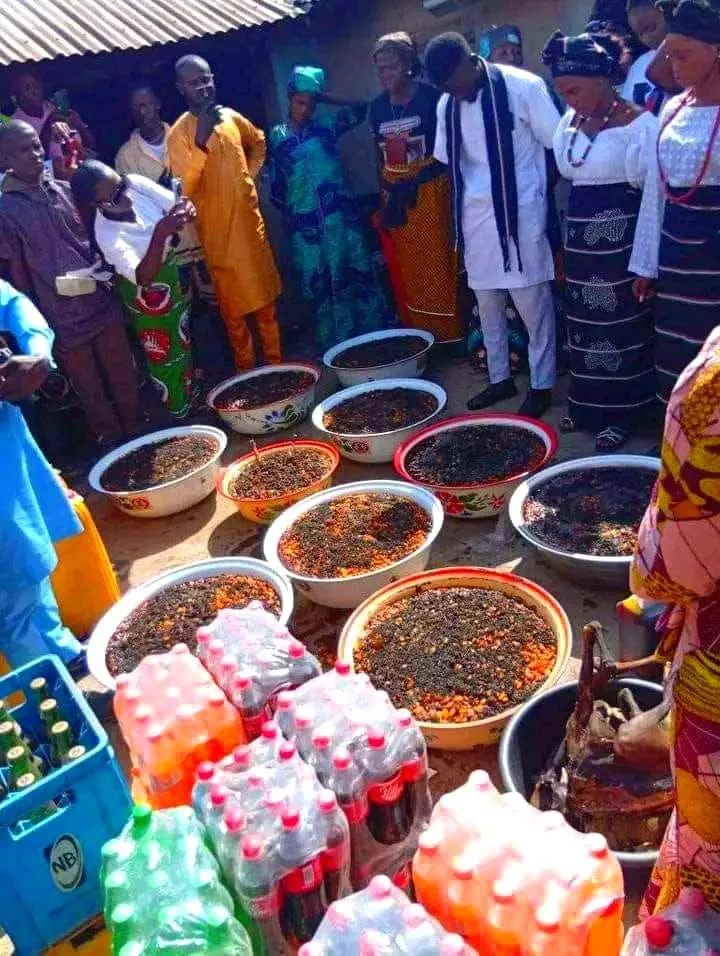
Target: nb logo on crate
[(65, 859)]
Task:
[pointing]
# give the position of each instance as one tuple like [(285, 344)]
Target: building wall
[(339, 35)]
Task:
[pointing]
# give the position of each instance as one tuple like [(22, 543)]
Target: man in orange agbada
[(217, 153)]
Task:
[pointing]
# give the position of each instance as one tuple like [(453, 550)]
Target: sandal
[(611, 438), (567, 425)]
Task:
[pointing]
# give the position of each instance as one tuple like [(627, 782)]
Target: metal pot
[(534, 734), (585, 568)]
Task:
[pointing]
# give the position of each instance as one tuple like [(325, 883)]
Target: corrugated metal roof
[(32, 30)]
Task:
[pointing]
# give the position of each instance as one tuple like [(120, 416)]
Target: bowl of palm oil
[(461, 648)]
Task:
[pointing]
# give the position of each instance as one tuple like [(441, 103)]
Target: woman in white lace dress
[(678, 235), (603, 146)]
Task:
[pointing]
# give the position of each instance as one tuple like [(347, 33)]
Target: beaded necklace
[(581, 120), (706, 162)]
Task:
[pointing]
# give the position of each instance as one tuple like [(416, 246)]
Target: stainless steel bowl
[(214, 567), (584, 568)]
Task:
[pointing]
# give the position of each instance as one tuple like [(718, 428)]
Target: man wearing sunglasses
[(218, 154), (42, 238)]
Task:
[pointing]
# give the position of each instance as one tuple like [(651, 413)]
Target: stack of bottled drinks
[(27, 759), (379, 921), (511, 879), (280, 837), (173, 717), (163, 892), (687, 928), (373, 757), (252, 658)]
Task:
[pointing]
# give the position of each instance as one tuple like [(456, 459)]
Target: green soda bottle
[(9, 737), (39, 689), (37, 814), (20, 763), (121, 924), (49, 712), (61, 742)]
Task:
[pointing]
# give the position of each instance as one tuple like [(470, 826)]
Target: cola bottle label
[(388, 792), (334, 857), (304, 878), (261, 907), (414, 770), (355, 810), (252, 723)]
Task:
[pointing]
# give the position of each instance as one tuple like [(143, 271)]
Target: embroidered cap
[(585, 55)]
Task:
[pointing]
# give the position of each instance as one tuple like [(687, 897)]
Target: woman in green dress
[(137, 228), (328, 248)]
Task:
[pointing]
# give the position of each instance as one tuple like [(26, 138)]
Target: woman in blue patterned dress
[(326, 238)]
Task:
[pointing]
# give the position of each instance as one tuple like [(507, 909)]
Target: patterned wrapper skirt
[(610, 335), (423, 253), (688, 286)]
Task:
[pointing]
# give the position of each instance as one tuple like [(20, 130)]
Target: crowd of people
[(468, 159)]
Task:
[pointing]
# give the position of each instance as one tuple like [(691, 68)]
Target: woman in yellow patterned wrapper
[(416, 217), (678, 561)]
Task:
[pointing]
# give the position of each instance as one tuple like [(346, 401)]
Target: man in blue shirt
[(34, 510)]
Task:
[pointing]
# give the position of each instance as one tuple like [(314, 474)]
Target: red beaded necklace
[(676, 200)]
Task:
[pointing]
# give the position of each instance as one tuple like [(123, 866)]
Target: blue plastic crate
[(49, 869)]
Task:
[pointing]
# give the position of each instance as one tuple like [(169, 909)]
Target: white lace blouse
[(618, 155), (682, 151)]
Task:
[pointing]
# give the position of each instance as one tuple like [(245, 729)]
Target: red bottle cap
[(228, 663), (340, 915), (404, 719), (216, 648), (596, 844), (122, 681), (274, 800), (286, 750), (241, 681), (342, 668), (256, 780), (429, 841), (235, 819), (242, 756), (372, 943), (414, 916), (311, 949), (284, 701), (463, 868), (659, 932), (218, 796), (548, 918), (143, 714), (380, 887), (376, 739), (251, 847), (342, 758), (326, 801), (303, 718), (296, 650), (480, 780), (205, 772), (290, 818), (270, 730), (215, 697), (203, 635), (321, 741)]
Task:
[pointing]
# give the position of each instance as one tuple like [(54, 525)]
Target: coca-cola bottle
[(303, 890), (247, 697), (259, 897), (347, 784), (387, 817), (336, 844), (415, 767), (320, 757), (204, 779), (302, 667)]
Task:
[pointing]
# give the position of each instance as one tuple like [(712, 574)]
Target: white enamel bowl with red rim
[(351, 591), (275, 416), (411, 367), (379, 447), (481, 500), (170, 497), (476, 733)]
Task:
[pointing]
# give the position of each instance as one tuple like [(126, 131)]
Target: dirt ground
[(141, 549)]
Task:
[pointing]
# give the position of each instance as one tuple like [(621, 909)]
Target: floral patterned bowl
[(266, 419), (265, 510), (412, 367), (477, 501), (379, 447)]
